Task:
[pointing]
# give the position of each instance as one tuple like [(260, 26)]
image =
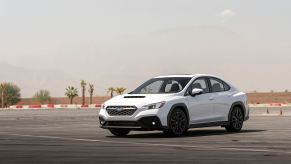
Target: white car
[(175, 103)]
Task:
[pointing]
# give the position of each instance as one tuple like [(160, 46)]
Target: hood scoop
[(134, 97)]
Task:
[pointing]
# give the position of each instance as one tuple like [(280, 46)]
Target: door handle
[(211, 98)]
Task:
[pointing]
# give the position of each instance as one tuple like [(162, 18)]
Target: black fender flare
[(178, 105), (238, 103)]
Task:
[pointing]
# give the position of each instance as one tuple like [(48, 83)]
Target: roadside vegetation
[(91, 92), (71, 93), (120, 90), (111, 91), (117, 90), (42, 96), (83, 85), (10, 94)]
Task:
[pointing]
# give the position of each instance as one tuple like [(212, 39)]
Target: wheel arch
[(180, 106), (237, 104)]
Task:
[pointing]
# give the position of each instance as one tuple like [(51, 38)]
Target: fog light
[(153, 123), (101, 120)]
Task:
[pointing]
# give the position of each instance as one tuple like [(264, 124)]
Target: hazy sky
[(124, 42)]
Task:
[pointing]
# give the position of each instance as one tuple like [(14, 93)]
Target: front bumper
[(144, 123), (136, 120)]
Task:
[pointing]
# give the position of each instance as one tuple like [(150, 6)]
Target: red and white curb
[(270, 105), (56, 106)]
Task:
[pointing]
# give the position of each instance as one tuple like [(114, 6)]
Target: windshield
[(162, 85)]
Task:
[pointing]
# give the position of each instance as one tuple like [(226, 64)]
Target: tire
[(119, 132), (236, 120), (177, 123)]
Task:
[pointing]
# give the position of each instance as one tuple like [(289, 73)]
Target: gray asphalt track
[(73, 136)]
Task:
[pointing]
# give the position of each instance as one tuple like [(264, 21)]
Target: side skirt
[(220, 123)]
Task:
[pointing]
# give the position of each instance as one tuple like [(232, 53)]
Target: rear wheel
[(236, 120), (178, 123), (119, 132)]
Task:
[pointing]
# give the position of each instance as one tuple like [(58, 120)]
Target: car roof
[(185, 75)]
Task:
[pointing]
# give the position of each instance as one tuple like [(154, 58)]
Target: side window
[(173, 86), (216, 85), (226, 87), (201, 84)]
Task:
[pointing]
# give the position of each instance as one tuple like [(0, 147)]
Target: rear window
[(218, 85)]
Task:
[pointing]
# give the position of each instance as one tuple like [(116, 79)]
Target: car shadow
[(190, 133)]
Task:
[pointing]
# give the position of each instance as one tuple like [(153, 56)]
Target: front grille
[(121, 110)]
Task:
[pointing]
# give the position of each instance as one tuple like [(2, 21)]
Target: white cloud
[(227, 14)]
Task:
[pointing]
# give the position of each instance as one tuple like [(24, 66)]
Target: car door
[(220, 99), (199, 106)]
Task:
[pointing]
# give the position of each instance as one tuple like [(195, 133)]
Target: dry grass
[(276, 97)]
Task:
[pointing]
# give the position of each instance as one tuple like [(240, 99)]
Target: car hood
[(138, 100)]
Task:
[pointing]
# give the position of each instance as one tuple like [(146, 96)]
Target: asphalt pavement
[(74, 136)]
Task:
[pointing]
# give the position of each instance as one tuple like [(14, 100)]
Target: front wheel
[(119, 132), (236, 120), (178, 123)]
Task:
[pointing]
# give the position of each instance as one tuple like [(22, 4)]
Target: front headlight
[(155, 105), (103, 106)]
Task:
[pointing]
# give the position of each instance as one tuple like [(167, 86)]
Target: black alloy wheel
[(236, 120), (178, 123)]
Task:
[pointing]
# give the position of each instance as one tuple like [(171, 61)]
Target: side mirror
[(196, 91)]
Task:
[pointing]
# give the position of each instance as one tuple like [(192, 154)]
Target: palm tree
[(83, 85), (91, 91), (71, 93), (120, 90), (3, 87), (111, 90)]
